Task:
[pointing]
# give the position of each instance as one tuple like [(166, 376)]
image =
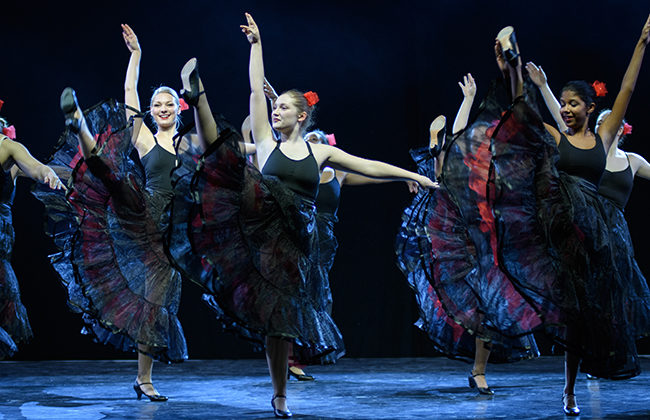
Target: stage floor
[(422, 388)]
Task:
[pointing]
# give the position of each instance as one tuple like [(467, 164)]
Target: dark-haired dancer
[(615, 186), (254, 237), (554, 238), (113, 260), (16, 161)]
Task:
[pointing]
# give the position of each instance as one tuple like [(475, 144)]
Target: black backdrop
[(383, 71)]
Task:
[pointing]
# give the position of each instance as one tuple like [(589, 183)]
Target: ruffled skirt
[(460, 291), (556, 245), (14, 325), (109, 230), (252, 244)]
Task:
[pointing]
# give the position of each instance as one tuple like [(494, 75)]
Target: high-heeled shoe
[(69, 106), (437, 135), (473, 384), (570, 405), (190, 79), (139, 392), (299, 376), (506, 38), (281, 414)]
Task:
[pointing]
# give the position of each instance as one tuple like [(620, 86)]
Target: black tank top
[(617, 186), (588, 164), (301, 176), (158, 164), (328, 198)]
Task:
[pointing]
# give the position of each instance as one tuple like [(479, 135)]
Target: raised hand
[(468, 86), (130, 38), (251, 30), (645, 33), (536, 74), (270, 93)]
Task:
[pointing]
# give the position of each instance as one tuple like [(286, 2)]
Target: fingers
[(471, 79)]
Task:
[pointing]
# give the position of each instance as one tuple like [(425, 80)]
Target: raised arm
[(340, 160), (538, 77), (260, 126), (29, 166), (468, 86), (610, 126), (132, 71)]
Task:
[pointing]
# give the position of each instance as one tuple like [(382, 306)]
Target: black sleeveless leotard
[(588, 164), (617, 186), (301, 176)]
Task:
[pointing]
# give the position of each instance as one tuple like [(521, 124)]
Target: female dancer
[(446, 241), (122, 279), (253, 235), (615, 186), (560, 255), (16, 161), (327, 203)]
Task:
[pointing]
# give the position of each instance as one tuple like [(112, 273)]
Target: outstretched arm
[(468, 86), (339, 160), (538, 77), (29, 166), (258, 111), (610, 126)]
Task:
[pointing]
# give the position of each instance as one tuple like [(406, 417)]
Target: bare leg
[(145, 366), (481, 355), (277, 356), (206, 126)]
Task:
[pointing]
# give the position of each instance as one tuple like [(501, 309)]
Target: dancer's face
[(575, 112), (164, 110), (285, 114)]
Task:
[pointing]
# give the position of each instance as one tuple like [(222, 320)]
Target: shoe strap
[(278, 396)]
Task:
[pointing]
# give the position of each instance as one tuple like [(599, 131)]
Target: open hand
[(536, 74), (468, 86), (130, 38), (251, 30)]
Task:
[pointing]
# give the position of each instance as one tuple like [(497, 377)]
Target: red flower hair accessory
[(10, 132), (312, 98), (331, 140), (600, 88), (184, 106), (1, 103), (627, 129)]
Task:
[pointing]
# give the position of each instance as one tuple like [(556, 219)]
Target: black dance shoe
[(69, 106), (473, 384), (437, 135), (190, 79), (281, 414), (139, 392), (299, 376), (570, 405), (506, 38)]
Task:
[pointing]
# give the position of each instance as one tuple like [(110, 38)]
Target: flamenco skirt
[(14, 325), (252, 244), (556, 246), (109, 230), (459, 296)]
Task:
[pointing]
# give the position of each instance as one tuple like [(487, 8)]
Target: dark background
[(383, 71)]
